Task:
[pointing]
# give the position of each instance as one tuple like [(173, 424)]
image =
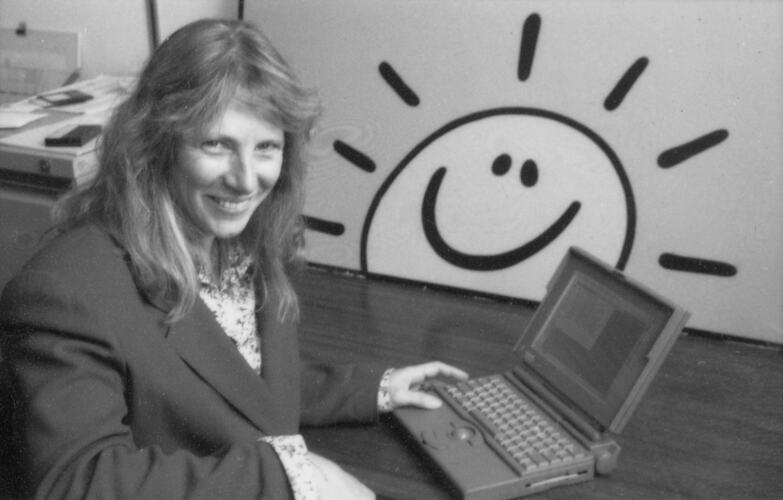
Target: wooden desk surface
[(710, 426)]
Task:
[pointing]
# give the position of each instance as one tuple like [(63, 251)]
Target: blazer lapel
[(201, 342)]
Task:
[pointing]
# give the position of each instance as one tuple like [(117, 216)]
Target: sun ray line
[(527, 46), (674, 262), (396, 82), (624, 85), (323, 226), (354, 156), (679, 154)]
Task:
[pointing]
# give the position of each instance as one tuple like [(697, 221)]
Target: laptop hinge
[(559, 411)]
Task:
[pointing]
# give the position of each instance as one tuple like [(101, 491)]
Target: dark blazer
[(113, 403)]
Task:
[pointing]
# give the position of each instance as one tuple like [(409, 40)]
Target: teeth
[(231, 205)]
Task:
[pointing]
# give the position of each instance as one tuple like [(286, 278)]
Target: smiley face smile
[(491, 262)]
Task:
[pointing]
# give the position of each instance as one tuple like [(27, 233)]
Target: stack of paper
[(26, 153), (106, 91), (16, 119)]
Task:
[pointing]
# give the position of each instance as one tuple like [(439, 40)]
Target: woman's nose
[(242, 177)]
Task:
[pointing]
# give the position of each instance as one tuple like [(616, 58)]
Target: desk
[(711, 425)]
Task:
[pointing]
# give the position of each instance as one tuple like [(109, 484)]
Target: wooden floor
[(711, 425)]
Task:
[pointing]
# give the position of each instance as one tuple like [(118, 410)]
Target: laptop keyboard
[(528, 437)]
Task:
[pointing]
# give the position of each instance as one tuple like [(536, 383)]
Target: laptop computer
[(584, 361)]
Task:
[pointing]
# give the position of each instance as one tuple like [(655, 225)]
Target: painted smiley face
[(493, 200)]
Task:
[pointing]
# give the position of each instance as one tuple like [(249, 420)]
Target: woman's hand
[(403, 384), (333, 483)]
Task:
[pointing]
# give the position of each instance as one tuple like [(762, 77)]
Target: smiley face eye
[(529, 173), (501, 165)]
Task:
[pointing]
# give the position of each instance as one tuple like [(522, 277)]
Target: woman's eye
[(269, 146), (213, 146)]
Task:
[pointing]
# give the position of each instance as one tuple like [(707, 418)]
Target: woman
[(152, 342)]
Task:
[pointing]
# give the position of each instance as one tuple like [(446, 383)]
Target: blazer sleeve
[(69, 386), (339, 393)]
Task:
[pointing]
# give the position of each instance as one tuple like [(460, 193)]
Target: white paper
[(106, 92), (13, 119), (32, 140)]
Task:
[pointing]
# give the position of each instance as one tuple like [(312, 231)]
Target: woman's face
[(221, 177)]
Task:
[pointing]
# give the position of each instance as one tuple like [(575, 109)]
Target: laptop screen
[(592, 337)]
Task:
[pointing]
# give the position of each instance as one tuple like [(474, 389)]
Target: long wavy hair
[(188, 82)]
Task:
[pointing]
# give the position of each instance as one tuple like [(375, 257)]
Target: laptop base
[(474, 470), (465, 454)]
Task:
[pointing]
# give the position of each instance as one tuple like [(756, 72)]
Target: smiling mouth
[(491, 262), (231, 206)]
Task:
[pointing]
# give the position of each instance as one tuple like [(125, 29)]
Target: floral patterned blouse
[(233, 302)]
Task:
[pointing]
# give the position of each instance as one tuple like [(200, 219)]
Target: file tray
[(35, 61)]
